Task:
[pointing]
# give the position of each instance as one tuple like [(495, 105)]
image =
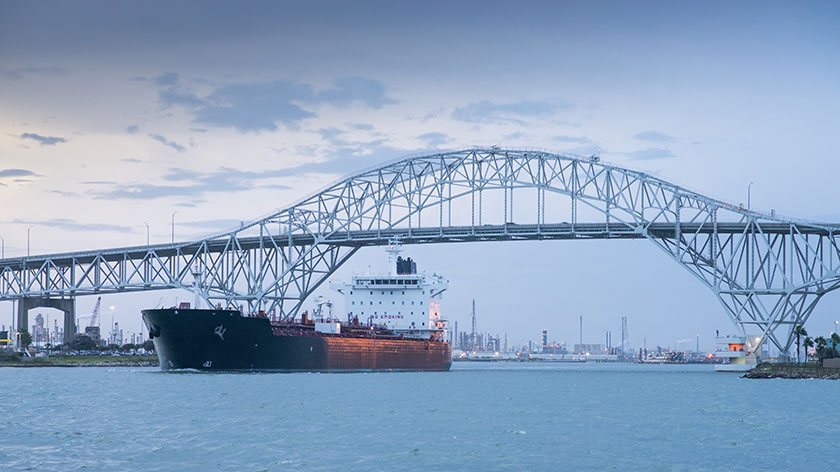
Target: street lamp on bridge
[(749, 203), (28, 230), (147, 233), (173, 226)]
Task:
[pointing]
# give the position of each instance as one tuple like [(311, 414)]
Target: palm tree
[(821, 343), (807, 343), (835, 344), (800, 331)]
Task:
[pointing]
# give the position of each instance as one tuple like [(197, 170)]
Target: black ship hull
[(227, 341)]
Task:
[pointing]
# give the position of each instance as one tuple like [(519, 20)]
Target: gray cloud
[(173, 96), (63, 193), (188, 183), (43, 140), (361, 126), (73, 225), (132, 160), (651, 153), (166, 79), (654, 136), (355, 90), (166, 142), (131, 129), (17, 173), (255, 106), (488, 112), (24, 72), (260, 106), (434, 139), (572, 139), (330, 134)]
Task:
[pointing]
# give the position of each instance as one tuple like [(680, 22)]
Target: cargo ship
[(392, 322)]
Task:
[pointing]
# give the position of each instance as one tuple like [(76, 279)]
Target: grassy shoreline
[(81, 361)]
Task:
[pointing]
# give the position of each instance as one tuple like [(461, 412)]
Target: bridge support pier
[(67, 305)]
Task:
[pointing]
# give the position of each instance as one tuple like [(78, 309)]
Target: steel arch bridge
[(767, 271)]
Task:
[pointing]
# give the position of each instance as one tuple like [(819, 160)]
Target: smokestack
[(473, 316), (581, 332)]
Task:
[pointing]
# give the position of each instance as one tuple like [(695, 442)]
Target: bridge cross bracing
[(767, 271)]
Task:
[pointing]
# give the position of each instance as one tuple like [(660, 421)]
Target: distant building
[(93, 333), (589, 348)]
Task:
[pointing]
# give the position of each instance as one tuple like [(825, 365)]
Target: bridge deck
[(426, 235)]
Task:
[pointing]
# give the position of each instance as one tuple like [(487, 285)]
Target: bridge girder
[(767, 271)]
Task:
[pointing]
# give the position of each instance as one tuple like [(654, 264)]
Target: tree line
[(85, 343), (823, 349)]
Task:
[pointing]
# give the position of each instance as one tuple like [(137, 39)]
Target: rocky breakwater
[(793, 371)]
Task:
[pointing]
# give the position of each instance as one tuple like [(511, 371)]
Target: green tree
[(800, 331), (128, 347), (835, 344), (821, 347), (149, 345), (25, 338), (113, 347), (807, 343), (83, 343)]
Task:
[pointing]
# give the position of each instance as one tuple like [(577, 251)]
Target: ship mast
[(393, 249)]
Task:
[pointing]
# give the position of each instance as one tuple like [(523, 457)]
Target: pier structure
[(67, 305), (767, 271)]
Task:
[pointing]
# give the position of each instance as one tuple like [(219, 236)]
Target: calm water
[(476, 417)]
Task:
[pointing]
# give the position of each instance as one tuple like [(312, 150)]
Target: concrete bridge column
[(67, 305)]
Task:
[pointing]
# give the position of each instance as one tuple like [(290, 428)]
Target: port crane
[(94, 316)]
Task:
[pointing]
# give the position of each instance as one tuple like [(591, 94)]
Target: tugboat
[(392, 323)]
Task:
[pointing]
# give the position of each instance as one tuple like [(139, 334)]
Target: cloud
[(572, 139), (355, 90), (43, 140), (131, 129), (63, 193), (25, 72), (132, 160), (166, 79), (255, 106), (166, 142), (261, 106), (488, 112), (651, 153), (514, 136), (330, 134), (654, 136), (172, 96), (73, 225), (17, 173), (361, 126), (189, 183), (434, 139)]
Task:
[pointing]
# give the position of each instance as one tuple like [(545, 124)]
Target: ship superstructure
[(402, 301)]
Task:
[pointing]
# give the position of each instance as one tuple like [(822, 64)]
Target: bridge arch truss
[(767, 271)]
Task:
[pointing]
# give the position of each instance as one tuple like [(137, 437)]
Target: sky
[(117, 114)]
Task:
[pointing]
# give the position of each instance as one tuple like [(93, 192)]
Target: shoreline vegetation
[(80, 361)]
